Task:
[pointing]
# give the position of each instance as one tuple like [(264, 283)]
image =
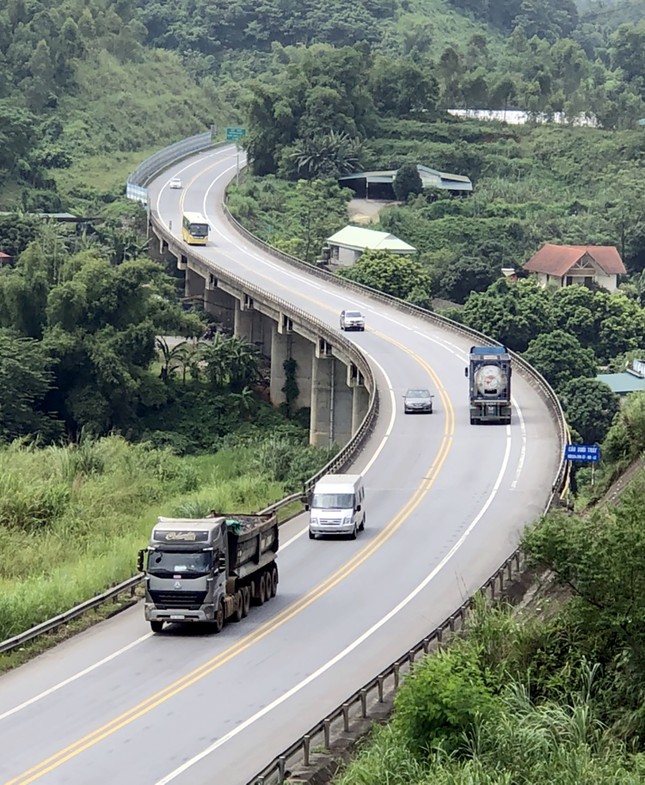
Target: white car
[(352, 320), (175, 182)]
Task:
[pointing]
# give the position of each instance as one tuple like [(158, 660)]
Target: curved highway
[(445, 503)]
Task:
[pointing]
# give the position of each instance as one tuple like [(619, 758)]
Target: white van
[(337, 506)]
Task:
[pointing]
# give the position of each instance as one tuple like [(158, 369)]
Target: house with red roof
[(565, 265)]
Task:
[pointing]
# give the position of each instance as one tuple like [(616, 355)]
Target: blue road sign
[(585, 453)]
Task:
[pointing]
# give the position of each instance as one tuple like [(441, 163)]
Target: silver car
[(352, 320), (417, 401)]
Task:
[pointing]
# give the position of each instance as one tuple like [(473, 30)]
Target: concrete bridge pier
[(219, 303)]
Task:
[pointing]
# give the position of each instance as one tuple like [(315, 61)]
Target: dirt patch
[(366, 211)]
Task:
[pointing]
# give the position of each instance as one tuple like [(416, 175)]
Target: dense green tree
[(25, 378), (391, 273), (600, 557), (407, 182), (590, 407), (400, 87), (457, 276), (514, 313), (559, 357)]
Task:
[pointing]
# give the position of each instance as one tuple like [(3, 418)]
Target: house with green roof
[(346, 246), (629, 381)]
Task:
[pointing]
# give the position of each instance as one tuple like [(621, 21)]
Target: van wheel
[(238, 613), (312, 536), (246, 600), (354, 533), (362, 526), (218, 621), (156, 626)]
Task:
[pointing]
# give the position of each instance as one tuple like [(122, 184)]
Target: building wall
[(609, 282), (346, 256)]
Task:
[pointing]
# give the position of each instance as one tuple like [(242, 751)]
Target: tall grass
[(439, 736), (72, 518)]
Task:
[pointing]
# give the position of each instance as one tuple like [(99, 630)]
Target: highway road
[(445, 504)]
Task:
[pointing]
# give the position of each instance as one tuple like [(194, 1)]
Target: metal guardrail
[(168, 155), (63, 618), (358, 705), (277, 771), (342, 459), (531, 374), (332, 337)]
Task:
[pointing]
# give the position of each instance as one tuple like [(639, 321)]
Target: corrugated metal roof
[(622, 383), (359, 239), (429, 177)]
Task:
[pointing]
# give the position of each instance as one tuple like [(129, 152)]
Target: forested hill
[(90, 87)]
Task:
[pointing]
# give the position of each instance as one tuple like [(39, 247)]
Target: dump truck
[(489, 373), (209, 570)]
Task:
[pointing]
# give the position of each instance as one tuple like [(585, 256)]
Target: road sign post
[(234, 135)]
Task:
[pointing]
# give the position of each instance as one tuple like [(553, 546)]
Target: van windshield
[(333, 501)]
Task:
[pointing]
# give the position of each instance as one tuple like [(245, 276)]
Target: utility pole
[(237, 164)]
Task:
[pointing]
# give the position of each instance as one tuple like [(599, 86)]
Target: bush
[(441, 700)]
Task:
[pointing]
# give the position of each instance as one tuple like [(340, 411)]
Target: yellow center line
[(144, 707)]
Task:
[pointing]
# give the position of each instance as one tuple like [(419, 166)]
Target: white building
[(347, 245)]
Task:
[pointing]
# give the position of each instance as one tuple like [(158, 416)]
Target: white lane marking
[(352, 646), (215, 154), (289, 542), (76, 676), (520, 463), (392, 422)]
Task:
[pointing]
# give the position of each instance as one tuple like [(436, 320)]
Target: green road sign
[(233, 134)]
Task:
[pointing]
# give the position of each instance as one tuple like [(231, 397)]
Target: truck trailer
[(489, 373), (208, 570)]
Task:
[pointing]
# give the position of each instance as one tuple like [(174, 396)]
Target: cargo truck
[(489, 373), (210, 569)]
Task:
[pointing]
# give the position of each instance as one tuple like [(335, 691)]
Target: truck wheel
[(218, 621), (246, 600), (273, 581), (156, 626), (260, 591), (238, 613)]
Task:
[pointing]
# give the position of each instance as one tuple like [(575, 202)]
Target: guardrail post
[(379, 681), (396, 671), (345, 708), (501, 580), (282, 767), (363, 695), (306, 747), (327, 733), (509, 568), (411, 655)]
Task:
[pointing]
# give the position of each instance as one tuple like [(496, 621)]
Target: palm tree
[(327, 155)]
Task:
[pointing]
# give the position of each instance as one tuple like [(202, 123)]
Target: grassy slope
[(120, 115), (71, 520), (451, 27)]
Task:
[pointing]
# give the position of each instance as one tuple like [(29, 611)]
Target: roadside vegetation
[(552, 693), (72, 518)]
